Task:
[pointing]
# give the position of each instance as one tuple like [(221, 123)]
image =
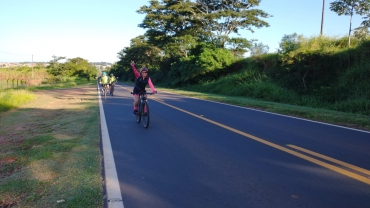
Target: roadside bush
[(208, 65)]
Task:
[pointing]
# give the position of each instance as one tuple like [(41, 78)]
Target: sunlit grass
[(10, 99)]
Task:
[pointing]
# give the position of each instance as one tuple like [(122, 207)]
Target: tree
[(55, 60), (350, 7), (366, 22), (259, 49), (290, 43), (167, 19), (362, 33), (54, 67), (220, 18), (140, 51), (80, 67), (206, 20), (239, 46), (180, 46)]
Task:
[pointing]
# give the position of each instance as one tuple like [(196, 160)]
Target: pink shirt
[(137, 75)]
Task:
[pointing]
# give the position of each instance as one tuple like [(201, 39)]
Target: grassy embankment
[(320, 79), (49, 152)]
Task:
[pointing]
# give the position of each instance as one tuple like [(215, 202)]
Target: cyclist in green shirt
[(104, 80), (112, 80)]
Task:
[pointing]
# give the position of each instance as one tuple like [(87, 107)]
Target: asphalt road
[(198, 153)]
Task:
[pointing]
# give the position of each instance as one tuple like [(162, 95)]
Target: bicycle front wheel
[(146, 114), (139, 113)]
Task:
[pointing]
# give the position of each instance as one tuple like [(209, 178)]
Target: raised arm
[(136, 73)]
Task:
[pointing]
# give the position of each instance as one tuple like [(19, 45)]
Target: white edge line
[(111, 178), (343, 127)]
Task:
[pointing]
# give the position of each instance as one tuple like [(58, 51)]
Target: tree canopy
[(349, 8), (205, 20)]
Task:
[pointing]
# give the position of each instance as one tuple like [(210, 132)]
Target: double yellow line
[(365, 177)]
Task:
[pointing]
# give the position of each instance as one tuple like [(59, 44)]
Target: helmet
[(144, 69), (104, 73), (111, 74)]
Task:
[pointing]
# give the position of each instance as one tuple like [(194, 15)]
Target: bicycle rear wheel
[(111, 89), (146, 114), (105, 93)]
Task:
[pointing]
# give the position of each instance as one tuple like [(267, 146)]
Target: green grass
[(59, 85), (50, 153), (10, 99)]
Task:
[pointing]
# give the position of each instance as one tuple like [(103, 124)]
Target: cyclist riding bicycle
[(104, 80), (142, 79), (112, 80)]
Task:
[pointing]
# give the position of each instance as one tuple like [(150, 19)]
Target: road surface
[(199, 153)]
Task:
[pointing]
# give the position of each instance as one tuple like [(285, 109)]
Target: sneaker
[(134, 112)]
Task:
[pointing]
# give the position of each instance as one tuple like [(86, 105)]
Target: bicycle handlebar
[(148, 93)]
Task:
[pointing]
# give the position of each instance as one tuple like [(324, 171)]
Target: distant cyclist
[(104, 80), (142, 79), (112, 80)]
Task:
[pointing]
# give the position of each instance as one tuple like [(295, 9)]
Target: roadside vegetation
[(50, 150), (50, 136), (14, 98)]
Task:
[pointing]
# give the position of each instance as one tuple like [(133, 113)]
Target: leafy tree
[(238, 46), (54, 67), (366, 22), (362, 33), (220, 18), (167, 19), (140, 51), (80, 67), (206, 63), (56, 60), (180, 46), (350, 7), (259, 49), (206, 20), (290, 43)]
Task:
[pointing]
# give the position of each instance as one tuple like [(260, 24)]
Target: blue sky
[(97, 30)]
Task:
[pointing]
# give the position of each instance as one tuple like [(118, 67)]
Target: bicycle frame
[(143, 109)]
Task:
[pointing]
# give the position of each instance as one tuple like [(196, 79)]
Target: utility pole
[(322, 17), (32, 65)]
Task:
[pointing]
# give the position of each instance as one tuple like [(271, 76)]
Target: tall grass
[(10, 99), (321, 73)]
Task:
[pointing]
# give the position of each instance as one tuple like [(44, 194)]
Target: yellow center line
[(284, 149), (362, 170)]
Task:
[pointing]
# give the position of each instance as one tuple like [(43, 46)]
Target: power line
[(14, 54)]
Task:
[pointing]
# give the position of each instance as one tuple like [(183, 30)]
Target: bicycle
[(143, 109), (104, 91), (111, 89)]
